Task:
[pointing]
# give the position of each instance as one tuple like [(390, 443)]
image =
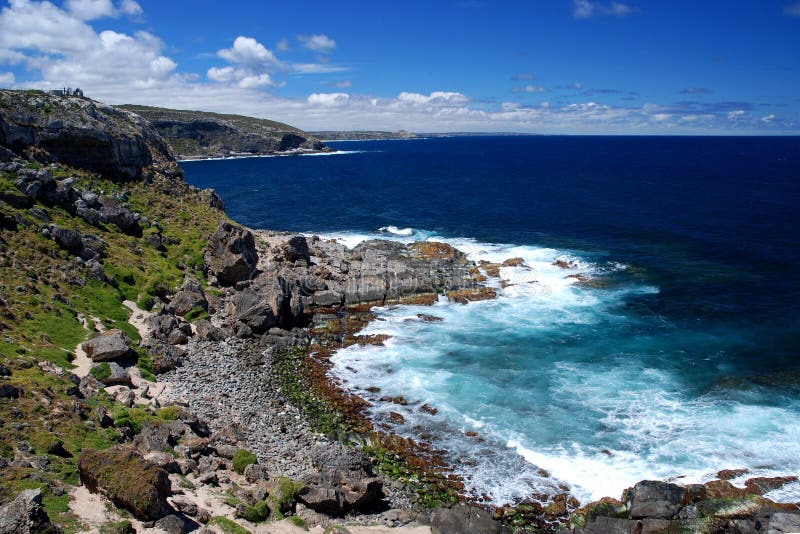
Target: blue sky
[(549, 66)]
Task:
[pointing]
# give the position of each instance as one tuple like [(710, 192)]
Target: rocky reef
[(198, 134)]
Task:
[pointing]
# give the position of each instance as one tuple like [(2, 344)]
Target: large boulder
[(25, 515), (463, 518), (189, 298), (655, 500), (231, 254), (111, 211), (251, 310), (127, 479), (111, 345)]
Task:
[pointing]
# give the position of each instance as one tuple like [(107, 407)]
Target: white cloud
[(769, 118), (793, 10), (282, 46), (222, 74), (733, 115), (7, 78), (318, 43), (249, 52), (344, 84), (584, 9), (438, 98), (95, 9), (328, 100)]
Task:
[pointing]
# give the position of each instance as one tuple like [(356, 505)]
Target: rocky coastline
[(164, 369)]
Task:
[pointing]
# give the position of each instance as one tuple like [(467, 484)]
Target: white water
[(554, 375)]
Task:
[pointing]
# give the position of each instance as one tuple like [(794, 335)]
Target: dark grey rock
[(231, 254), (209, 332), (7, 391), (171, 524), (327, 298), (251, 310), (25, 515), (463, 518), (655, 499), (111, 345)]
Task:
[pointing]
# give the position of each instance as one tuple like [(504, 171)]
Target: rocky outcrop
[(231, 254), (716, 506), (127, 479), (25, 515), (197, 134), (79, 132)]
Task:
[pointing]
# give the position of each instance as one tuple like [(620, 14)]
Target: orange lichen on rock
[(491, 269), (465, 296), (564, 264), (431, 250), (513, 262)]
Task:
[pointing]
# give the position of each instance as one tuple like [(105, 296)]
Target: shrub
[(241, 459), (101, 371), (257, 513)]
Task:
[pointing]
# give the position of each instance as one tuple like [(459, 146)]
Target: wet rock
[(25, 515), (231, 254), (130, 482), (111, 345), (655, 499)]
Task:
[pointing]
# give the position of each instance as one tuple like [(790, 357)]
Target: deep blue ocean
[(679, 358)]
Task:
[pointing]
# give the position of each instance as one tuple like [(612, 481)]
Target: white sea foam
[(599, 420)]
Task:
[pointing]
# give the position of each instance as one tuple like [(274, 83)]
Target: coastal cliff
[(164, 369), (199, 134)]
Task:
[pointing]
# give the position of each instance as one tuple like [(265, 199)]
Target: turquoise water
[(681, 358)]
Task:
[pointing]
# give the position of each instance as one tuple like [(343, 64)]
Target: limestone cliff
[(198, 134)]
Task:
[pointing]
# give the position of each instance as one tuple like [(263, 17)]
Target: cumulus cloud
[(584, 9), (7, 78), (318, 43), (65, 50), (249, 52), (328, 100), (95, 9)]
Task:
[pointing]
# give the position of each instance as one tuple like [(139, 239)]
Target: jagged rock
[(295, 249), (130, 482), (231, 254), (111, 211), (25, 515), (160, 435), (161, 325), (165, 356), (111, 345), (654, 499), (463, 518), (251, 310), (209, 332), (782, 522), (117, 375), (327, 298), (187, 299), (67, 239), (177, 337), (87, 134)]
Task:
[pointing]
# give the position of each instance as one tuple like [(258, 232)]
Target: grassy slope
[(39, 319)]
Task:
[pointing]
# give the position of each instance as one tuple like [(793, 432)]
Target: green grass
[(101, 371), (281, 501), (227, 526), (241, 459), (298, 522), (257, 513)]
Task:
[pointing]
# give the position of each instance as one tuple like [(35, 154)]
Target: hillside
[(363, 135), (200, 134)]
